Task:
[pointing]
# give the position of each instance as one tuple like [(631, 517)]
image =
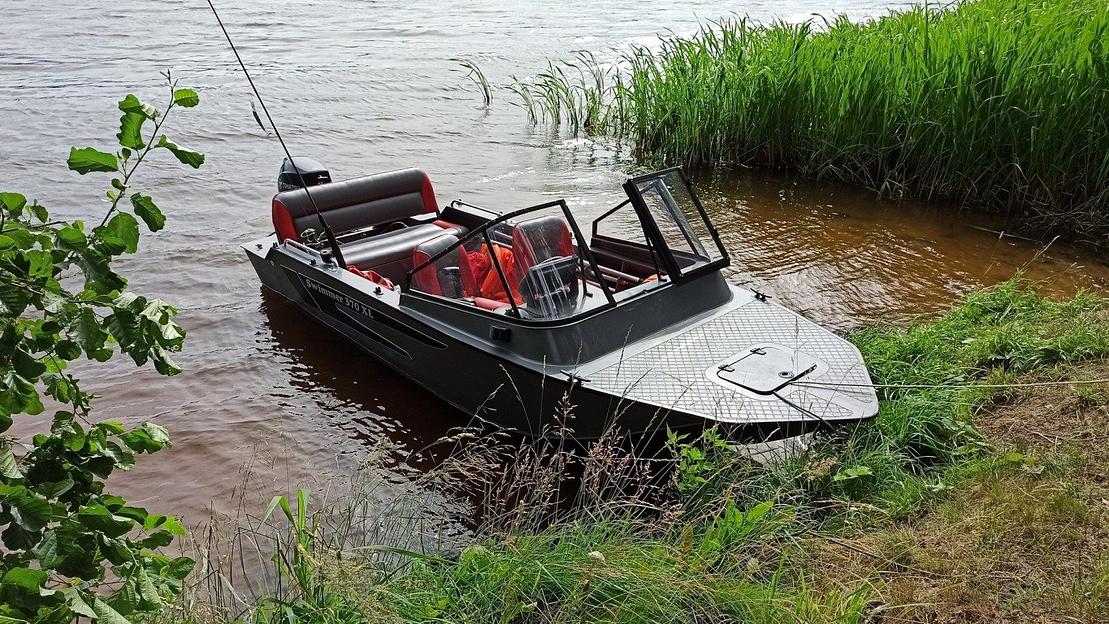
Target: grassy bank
[(970, 499), (992, 103)]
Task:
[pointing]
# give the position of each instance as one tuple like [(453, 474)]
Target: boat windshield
[(679, 219), (531, 264), (535, 265)]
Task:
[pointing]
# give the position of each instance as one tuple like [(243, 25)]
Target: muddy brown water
[(369, 86)]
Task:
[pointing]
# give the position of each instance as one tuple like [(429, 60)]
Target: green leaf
[(26, 579), (30, 511), (148, 212), (13, 203), (180, 567), (88, 160), (105, 614), (26, 365), (132, 104), (9, 468), (54, 489), (72, 236), (100, 518), (77, 604), (130, 131), (6, 242), (87, 330), (47, 550), (854, 472), (188, 157), (149, 594), (67, 350), (123, 229), (40, 212), (157, 539), (186, 97), (40, 263), (148, 438)]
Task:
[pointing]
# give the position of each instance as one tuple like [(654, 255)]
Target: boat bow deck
[(679, 372)]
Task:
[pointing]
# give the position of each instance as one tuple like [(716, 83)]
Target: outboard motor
[(313, 172)]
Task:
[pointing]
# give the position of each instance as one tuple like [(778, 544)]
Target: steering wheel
[(396, 226)]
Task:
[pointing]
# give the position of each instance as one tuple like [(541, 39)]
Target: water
[(369, 86)]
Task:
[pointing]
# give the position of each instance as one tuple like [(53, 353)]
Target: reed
[(999, 104)]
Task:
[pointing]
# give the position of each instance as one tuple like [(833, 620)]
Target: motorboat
[(525, 320)]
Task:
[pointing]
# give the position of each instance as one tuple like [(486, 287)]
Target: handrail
[(607, 213), (301, 246), (469, 205)]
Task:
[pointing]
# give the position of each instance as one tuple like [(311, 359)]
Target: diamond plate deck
[(674, 373)]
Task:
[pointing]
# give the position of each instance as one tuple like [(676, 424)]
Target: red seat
[(430, 279), (539, 239)]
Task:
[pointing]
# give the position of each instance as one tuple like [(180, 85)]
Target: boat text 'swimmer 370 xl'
[(503, 315)]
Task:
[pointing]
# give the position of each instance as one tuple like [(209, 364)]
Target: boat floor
[(681, 372)]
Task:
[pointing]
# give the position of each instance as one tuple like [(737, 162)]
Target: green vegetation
[(995, 103), (959, 502), (69, 547)]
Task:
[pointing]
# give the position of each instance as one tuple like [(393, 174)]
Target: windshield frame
[(582, 249), (652, 230)]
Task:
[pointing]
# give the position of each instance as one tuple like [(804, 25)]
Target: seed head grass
[(700, 532)]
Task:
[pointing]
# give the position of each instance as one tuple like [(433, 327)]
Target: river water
[(376, 85)]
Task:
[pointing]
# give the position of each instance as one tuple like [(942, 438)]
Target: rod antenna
[(338, 253)]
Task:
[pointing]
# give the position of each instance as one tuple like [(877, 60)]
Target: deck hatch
[(765, 369)]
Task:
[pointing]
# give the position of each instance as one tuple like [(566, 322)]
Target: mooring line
[(1029, 384)]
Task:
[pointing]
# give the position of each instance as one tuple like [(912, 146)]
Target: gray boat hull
[(625, 367)]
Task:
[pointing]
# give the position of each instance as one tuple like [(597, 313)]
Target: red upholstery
[(427, 278), (427, 192), (447, 225), (489, 304), (471, 264), (283, 221), (373, 276), (539, 239)]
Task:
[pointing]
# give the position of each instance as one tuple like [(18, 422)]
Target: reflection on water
[(365, 87), (844, 258)]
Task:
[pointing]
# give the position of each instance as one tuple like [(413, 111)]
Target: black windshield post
[(652, 231), (500, 272), (585, 251)]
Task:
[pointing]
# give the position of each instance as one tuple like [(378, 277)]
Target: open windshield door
[(676, 222)]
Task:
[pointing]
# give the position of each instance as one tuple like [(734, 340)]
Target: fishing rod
[(335, 250)]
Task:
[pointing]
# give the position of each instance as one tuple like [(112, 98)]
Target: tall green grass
[(996, 103)]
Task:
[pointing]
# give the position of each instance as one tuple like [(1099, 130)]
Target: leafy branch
[(63, 535)]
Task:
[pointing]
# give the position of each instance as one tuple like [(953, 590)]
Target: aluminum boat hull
[(640, 367)]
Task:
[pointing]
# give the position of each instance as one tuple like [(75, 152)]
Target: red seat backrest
[(427, 278), (539, 239)]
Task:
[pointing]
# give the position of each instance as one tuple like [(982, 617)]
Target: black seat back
[(355, 204)]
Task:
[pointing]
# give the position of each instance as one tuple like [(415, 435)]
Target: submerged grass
[(995, 103), (938, 510)]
